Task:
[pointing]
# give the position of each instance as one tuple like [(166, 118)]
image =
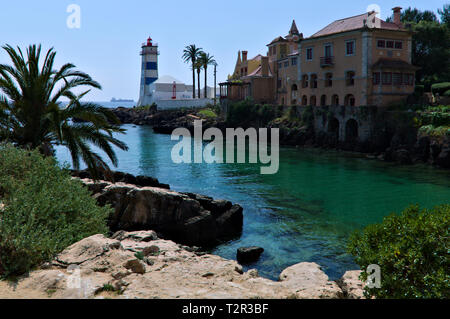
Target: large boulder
[(351, 285), (187, 218), (309, 281), (248, 254)]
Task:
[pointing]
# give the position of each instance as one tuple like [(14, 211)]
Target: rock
[(249, 254), (135, 265), (87, 249), (402, 156), (175, 273), (151, 251), (187, 218), (143, 235), (351, 285), (443, 159), (309, 281)]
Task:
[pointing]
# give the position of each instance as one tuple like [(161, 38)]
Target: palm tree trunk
[(206, 83), (193, 81), (198, 80)]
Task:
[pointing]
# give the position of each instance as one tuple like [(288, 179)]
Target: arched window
[(314, 81), (312, 100), (349, 100), (335, 100), (305, 81), (304, 100), (294, 90), (350, 78), (328, 79), (323, 100)]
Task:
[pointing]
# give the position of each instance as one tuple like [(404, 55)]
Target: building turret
[(149, 72)]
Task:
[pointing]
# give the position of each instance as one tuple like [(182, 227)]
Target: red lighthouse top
[(149, 42)]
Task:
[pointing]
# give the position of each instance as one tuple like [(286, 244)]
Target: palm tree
[(190, 55), (198, 66), (206, 59), (32, 115)]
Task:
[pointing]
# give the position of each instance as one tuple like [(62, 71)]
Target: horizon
[(107, 44)]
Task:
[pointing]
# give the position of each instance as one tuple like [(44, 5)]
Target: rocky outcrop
[(309, 281), (351, 285), (100, 267), (121, 177), (249, 254), (186, 218)]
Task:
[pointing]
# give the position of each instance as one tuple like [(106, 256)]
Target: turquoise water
[(303, 213)]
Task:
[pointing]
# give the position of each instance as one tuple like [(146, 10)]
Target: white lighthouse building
[(167, 92), (149, 72)]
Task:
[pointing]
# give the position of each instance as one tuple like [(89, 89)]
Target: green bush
[(44, 210), (412, 252), (447, 93), (248, 114), (440, 88)]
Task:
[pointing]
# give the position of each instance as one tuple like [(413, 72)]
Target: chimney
[(397, 16), (264, 66), (244, 56)]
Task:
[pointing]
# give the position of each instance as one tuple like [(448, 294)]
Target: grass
[(208, 113)]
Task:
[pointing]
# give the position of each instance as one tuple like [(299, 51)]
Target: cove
[(306, 211)]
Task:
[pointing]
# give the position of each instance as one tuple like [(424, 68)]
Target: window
[(305, 81), (280, 65), (328, 50), (329, 80), (323, 100), (411, 79), (304, 100), (335, 100), (314, 81), (397, 77), (381, 43), (386, 78), (390, 44), (151, 66), (350, 78), (399, 45), (286, 64), (376, 78), (279, 84), (309, 54), (350, 48), (293, 61)]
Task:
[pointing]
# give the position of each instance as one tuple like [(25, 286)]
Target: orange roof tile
[(352, 23)]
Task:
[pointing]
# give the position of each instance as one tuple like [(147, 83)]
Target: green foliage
[(411, 250), (308, 116), (440, 88), (32, 116), (447, 93), (45, 210), (207, 113), (247, 114), (139, 255), (146, 107), (434, 121)]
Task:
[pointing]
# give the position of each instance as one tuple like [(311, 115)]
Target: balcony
[(326, 61)]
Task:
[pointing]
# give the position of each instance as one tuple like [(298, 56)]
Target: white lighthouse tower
[(149, 72)]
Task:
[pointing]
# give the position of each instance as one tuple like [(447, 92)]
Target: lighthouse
[(149, 72)]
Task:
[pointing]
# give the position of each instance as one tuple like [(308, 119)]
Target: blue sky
[(107, 44)]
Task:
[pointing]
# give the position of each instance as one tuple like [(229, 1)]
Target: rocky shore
[(142, 203), (141, 265), (403, 145)]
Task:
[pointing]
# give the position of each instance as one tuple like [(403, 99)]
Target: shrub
[(207, 113), (248, 114), (440, 88), (411, 250), (45, 210)]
